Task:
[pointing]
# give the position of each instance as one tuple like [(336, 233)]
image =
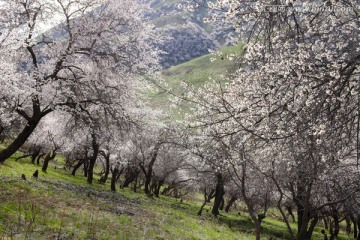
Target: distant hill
[(189, 36)]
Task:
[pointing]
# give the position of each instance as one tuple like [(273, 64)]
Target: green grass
[(58, 205), (61, 205), (216, 67), (198, 71)]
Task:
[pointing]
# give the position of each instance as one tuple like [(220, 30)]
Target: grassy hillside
[(60, 206), (219, 66), (198, 71)]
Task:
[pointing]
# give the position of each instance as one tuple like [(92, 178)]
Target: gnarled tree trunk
[(149, 171), (31, 124), (219, 194), (95, 147)]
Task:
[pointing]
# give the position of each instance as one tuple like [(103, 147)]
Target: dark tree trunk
[(290, 212), (258, 229), (86, 167), (1, 129), (210, 196), (95, 147), (135, 184), (81, 161), (302, 201), (35, 154), (77, 166), (204, 203), (153, 186), (222, 204), (158, 187), (107, 167), (39, 157), (49, 157), (19, 140), (230, 203), (148, 173), (326, 224), (356, 226), (335, 227), (114, 176), (32, 122), (219, 194)]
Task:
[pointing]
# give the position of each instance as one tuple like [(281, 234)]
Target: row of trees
[(88, 69), (286, 129)]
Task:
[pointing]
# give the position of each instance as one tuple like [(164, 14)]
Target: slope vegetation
[(60, 206)]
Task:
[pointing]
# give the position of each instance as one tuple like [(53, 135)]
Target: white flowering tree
[(296, 94), (95, 49)]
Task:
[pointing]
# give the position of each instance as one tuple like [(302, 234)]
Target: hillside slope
[(218, 66), (60, 206)]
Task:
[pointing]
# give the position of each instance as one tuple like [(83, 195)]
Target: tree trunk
[(39, 157), (148, 173), (19, 140), (258, 229), (204, 203), (222, 204), (35, 154), (1, 129), (135, 184), (114, 176), (256, 218), (326, 225), (50, 156), (93, 158), (355, 224), (358, 228), (230, 203), (130, 176), (107, 168), (77, 166), (158, 186), (86, 167), (335, 227), (31, 124), (2, 135), (303, 205), (210, 196), (219, 194)]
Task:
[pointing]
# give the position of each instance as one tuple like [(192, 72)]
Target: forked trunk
[(50, 156), (148, 173)]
